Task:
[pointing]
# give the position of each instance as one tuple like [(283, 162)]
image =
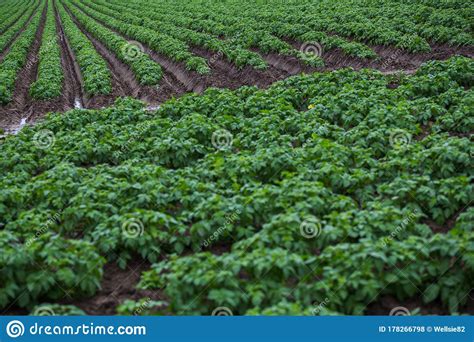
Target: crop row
[(249, 32), (50, 75), (242, 35), (7, 36), (266, 201), (406, 25), (163, 22), (145, 69), (94, 70), (16, 57), (12, 13), (162, 43)]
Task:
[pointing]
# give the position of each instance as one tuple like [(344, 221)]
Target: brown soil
[(449, 224), (390, 59), (22, 105), (385, 304), (224, 74), (72, 88), (124, 82), (177, 80), (7, 48), (290, 65), (117, 286)]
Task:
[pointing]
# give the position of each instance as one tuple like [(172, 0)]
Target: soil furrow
[(191, 80), (388, 58), (22, 104), (10, 43), (124, 82), (290, 65), (73, 89), (13, 23), (225, 74)]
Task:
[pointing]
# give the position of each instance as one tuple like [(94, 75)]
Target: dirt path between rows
[(72, 89), (123, 81), (14, 22), (225, 74), (177, 80), (389, 59), (14, 38), (127, 84), (22, 106)]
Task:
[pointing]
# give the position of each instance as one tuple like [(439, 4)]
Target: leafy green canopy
[(223, 225)]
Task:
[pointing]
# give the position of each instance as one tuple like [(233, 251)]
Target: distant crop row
[(19, 23), (145, 69), (50, 76), (169, 46), (12, 13), (94, 70), (16, 58), (404, 24), (164, 23)]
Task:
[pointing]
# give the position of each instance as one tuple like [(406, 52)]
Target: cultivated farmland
[(236, 157)]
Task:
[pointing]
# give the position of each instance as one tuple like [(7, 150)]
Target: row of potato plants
[(95, 73), (173, 48), (253, 31), (17, 56), (13, 30), (314, 149), (13, 12), (164, 22), (50, 77), (406, 25), (240, 34), (146, 71)]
